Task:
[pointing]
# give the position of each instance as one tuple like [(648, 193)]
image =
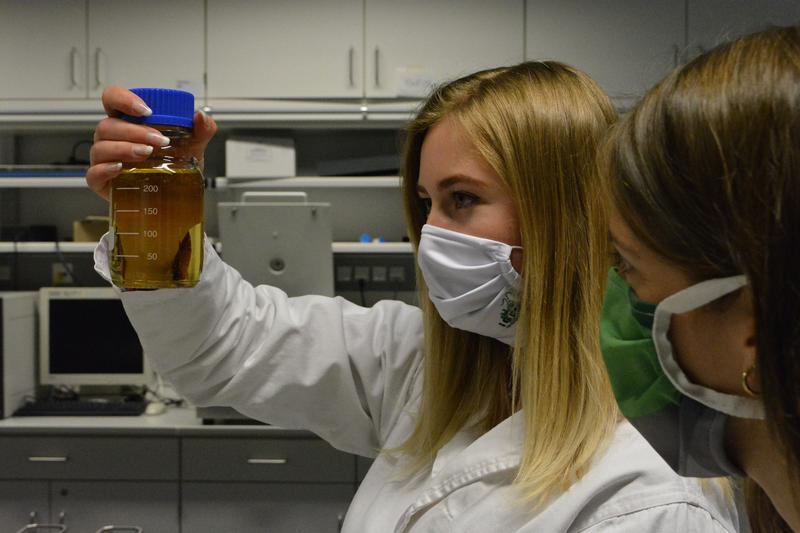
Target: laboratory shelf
[(47, 247), (310, 182), (88, 247), (42, 182)]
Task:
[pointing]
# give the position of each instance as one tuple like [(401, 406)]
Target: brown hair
[(706, 171), (538, 125)]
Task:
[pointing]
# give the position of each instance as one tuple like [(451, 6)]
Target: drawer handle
[(34, 528), (105, 529), (267, 461), (47, 459)]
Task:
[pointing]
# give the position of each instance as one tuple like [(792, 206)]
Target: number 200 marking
[(150, 188)]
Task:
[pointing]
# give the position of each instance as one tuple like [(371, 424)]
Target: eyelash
[(623, 266), (461, 200)]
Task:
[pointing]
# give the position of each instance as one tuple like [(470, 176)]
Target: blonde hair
[(537, 124)]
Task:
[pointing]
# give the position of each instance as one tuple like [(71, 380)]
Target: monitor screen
[(86, 338)]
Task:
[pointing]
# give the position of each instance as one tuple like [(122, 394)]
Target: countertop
[(175, 421)]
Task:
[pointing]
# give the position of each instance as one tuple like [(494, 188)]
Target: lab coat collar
[(456, 466)]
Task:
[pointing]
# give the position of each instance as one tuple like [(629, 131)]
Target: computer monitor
[(85, 338)]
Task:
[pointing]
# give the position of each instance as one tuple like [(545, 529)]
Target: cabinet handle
[(256, 461), (98, 77), (34, 528), (73, 63), (350, 54), (134, 529), (47, 459), (377, 67)]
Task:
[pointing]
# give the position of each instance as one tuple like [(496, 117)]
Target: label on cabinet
[(414, 82)]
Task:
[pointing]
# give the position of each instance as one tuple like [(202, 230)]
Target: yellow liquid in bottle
[(157, 227)]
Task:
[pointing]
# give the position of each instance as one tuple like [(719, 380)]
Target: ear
[(748, 346)]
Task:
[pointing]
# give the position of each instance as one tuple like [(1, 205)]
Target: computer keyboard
[(81, 408)]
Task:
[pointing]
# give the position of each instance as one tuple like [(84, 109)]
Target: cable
[(361, 284)]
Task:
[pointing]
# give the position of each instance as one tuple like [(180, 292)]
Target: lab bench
[(170, 473)]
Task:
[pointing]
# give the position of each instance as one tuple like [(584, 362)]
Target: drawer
[(88, 458), (292, 460)]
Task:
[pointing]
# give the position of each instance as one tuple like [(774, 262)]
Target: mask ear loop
[(746, 386)]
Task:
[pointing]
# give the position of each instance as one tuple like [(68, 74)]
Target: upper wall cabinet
[(42, 49), (712, 22), (625, 45), (413, 44), (44, 54), (285, 49), (147, 43)]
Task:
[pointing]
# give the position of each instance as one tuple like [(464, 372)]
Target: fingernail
[(113, 167), (203, 118), (142, 109), (157, 139), (142, 149)]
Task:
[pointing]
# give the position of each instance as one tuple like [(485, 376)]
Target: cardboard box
[(90, 229), (259, 158)]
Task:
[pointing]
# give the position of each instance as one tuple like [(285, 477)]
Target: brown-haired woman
[(701, 326)]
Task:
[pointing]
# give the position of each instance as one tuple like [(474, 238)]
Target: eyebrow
[(453, 180)]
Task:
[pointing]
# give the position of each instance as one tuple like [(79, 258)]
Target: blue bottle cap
[(365, 237), (171, 107)]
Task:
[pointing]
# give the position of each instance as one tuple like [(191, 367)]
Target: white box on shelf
[(259, 158)]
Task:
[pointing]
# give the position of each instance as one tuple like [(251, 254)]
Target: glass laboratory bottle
[(157, 205)]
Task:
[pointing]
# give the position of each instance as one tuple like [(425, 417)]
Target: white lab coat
[(352, 375)]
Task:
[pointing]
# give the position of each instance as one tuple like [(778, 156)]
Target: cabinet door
[(277, 508), (148, 43), (285, 49), (18, 499), (712, 22), (88, 506), (625, 45), (413, 44), (42, 49)]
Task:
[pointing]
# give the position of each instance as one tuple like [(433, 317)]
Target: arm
[(324, 364)]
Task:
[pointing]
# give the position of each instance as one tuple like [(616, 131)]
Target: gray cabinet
[(625, 45), (42, 49), (89, 482), (274, 507), (73, 49), (256, 484), (260, 481), (285, 49), (23, 502), (411, 45), (90, 505), (712, 22)]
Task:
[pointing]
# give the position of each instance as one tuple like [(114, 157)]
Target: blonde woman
[(487, 410)]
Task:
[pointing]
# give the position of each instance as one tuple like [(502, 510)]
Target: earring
[(745, 386)]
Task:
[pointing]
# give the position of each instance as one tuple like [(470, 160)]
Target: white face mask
[(471, 282), (684, 301)]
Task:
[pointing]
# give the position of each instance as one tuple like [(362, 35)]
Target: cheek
[(704, 350)]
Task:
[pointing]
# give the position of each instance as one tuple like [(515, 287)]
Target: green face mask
[(667, 412), (639, 383)]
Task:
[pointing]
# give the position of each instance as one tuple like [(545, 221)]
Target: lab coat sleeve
[(323, 364), (669, 518)]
